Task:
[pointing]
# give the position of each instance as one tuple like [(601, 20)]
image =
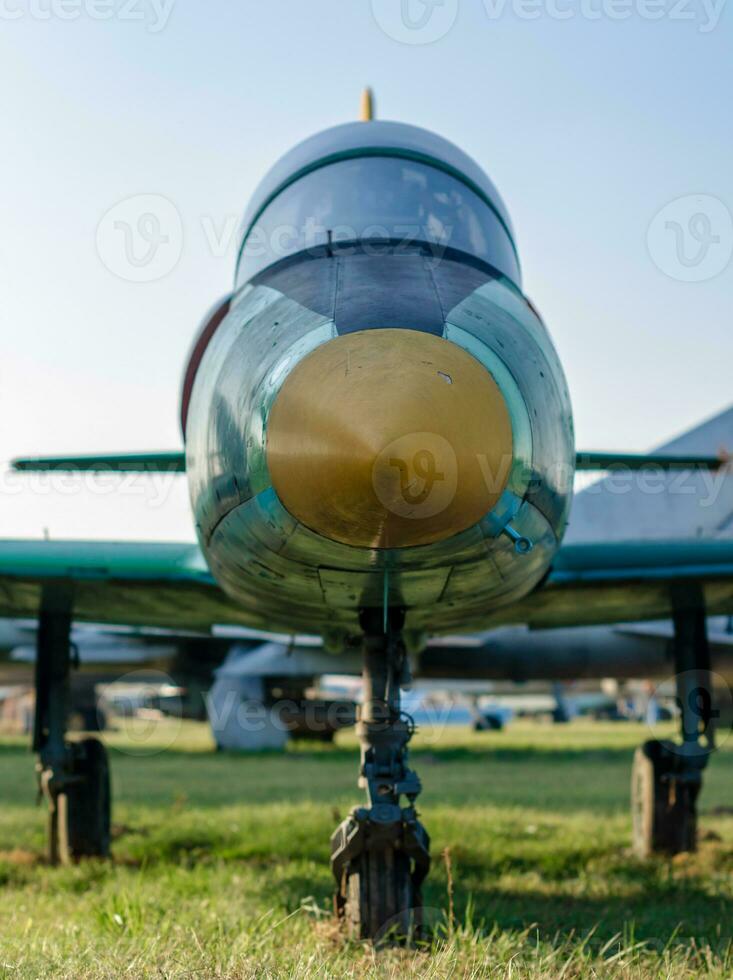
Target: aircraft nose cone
[(388, 439)]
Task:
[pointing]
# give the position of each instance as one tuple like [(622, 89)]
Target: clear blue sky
[(587, 126)]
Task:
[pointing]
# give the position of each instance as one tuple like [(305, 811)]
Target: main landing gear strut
[(72, 777), (667, 776), (380, 853)]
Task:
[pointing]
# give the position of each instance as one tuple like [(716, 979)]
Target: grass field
[(221, 864)]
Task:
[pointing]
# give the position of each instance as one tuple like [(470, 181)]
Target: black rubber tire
[(380, 898), (663, 806), (80, 817)]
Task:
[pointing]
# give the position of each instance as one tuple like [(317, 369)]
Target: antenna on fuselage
[(367, 105)]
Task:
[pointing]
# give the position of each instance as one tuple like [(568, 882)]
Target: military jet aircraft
[(378, 441)]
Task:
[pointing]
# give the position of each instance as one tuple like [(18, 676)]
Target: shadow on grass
[(654, 914), (647, 902), (651, 916)]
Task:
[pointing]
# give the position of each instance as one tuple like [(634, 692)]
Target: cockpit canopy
[(377, 181)]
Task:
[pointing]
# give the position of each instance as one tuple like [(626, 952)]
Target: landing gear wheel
[(79, 814), (380, 854), (380, 898), (663, 802)]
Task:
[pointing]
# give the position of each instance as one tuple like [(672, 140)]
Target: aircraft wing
[(621, 582), (137, 583), (169, 585)]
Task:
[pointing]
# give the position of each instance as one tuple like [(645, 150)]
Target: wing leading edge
[(616, 582), (126, 583), (169, 585)]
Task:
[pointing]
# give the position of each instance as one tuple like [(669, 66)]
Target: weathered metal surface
[(265, 548), (388, 439)]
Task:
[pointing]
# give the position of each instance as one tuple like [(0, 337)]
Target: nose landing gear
[(380, 854)]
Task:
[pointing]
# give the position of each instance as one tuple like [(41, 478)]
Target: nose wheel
[(380, 854)]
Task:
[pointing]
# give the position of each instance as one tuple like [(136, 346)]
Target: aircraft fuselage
[(379, 422)]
